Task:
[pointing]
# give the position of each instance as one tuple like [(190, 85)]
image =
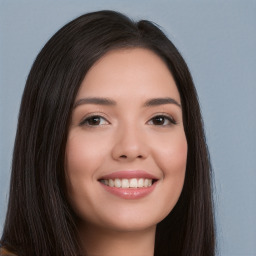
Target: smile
[(128, 183)]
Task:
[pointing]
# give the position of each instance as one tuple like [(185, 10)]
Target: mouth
[(129, 184)]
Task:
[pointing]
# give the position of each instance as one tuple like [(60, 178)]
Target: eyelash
[(90, 118), (164, 117), (168, 118)]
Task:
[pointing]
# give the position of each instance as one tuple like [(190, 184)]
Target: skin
[(127, 136)]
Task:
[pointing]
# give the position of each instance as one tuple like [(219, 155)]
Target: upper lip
[(128, 174)]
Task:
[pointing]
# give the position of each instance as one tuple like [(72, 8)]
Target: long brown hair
[(39, 219)]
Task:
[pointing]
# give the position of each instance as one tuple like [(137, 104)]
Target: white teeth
[(133, 183), (118, 183), (128, 183), (111, 183), (125, 183), (141, 183), (147, 183)]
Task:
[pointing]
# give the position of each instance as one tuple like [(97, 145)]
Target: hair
[(39, 219)]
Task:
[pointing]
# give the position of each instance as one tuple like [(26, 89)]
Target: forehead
[(129, 73)]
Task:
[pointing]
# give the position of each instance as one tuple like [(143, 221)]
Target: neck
[(105, 242)]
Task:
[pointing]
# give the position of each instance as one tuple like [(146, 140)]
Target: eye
[(162, 120), (94, 121)]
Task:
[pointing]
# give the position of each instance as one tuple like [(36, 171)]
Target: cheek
[(171, 158), (171, 154), (76, 166), (175, 158), (82, 161), (83, 154)]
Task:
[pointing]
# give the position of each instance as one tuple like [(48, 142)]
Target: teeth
[(133, 183), (111, 183), (105, 182), (118, 183), (128, 183), (141, 183), (125, 183)]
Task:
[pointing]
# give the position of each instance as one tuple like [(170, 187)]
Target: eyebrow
[(160, 101), (96, 101), (108, 102)]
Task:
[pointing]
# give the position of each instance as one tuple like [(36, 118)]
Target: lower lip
[(130, 193)]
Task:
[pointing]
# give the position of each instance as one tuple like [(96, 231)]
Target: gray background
[(216, 38)]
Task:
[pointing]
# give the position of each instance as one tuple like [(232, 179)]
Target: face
[(126, 149)]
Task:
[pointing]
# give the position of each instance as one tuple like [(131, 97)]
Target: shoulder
[(5, 252)]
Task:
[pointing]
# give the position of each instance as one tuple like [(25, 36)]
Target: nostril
[(124, 156), (130, 156)]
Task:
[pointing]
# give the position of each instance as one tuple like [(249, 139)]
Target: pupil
[(159, 120), (94, 120)]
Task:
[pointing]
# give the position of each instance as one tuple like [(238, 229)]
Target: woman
[(110, 156)]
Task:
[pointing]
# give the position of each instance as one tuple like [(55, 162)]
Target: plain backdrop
[(216, 38)]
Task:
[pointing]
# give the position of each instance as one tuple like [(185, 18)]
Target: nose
[(130, 144)]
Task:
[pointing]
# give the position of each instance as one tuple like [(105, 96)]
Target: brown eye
[(94, 121), (162, 120)]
